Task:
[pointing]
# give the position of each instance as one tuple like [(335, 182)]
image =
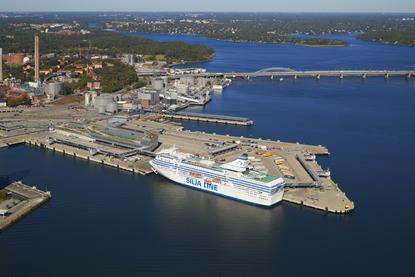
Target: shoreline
[(357, 37), (234, 40)]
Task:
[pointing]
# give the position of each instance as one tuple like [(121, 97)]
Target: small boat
[(324, 173), (309, 157)]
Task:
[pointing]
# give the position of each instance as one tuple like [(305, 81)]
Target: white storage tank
[(53, 88), (87, 96), (101, 109), (112, 107), (103, 99), (158, 83), (101, 102)]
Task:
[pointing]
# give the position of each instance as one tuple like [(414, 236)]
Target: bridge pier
[(318, 76), (296, 76), (341, 76), (408, 76), (386, 76), (364, 76), (272, 77)]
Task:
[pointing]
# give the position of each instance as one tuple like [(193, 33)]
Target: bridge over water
[(279, 72)]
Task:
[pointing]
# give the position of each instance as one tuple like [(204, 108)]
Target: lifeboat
[(196, 175)]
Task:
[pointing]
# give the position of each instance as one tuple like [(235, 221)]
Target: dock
[(62, 146), (222, 119), (305, 184), (18, 200)]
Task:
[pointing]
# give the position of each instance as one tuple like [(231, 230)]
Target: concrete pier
[(305, 186), (209, 118), (20, 201), (142, 167)]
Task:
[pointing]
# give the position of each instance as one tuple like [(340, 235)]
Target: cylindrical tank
[(87, 99), (101, 109), (158, 83), (112, 107), (103, 100), (53, 88), (93, 95)]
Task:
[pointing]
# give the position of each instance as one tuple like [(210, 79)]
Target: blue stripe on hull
[(222, 195), (262, 188)]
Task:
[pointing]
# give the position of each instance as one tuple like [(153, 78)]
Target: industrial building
[(148, 97), (14, 58), (187, 80), (144, 140)]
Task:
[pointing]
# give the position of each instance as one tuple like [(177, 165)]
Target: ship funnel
[(238, 165)]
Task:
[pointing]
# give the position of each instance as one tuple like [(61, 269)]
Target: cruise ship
[(233, 180)]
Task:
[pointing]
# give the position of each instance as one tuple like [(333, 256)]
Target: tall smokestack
[(1, 64), (37, 58)]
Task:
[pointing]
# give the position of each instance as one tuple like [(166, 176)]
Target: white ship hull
[(226, 189)]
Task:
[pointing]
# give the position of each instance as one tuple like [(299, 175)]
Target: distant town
[(34, 74), (91, 75)]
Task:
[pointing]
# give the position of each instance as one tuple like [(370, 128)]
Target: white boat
[(324, 173), (233, 180), (309, 157), (217, 88)]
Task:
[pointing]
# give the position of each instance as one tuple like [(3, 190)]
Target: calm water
[(102, 222)]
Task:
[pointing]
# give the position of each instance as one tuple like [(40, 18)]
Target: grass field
[(68, 100), (3, 195)]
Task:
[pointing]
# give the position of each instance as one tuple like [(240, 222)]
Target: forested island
[(275, 27)]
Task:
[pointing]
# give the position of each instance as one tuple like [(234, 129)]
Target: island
[(276, 27)]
